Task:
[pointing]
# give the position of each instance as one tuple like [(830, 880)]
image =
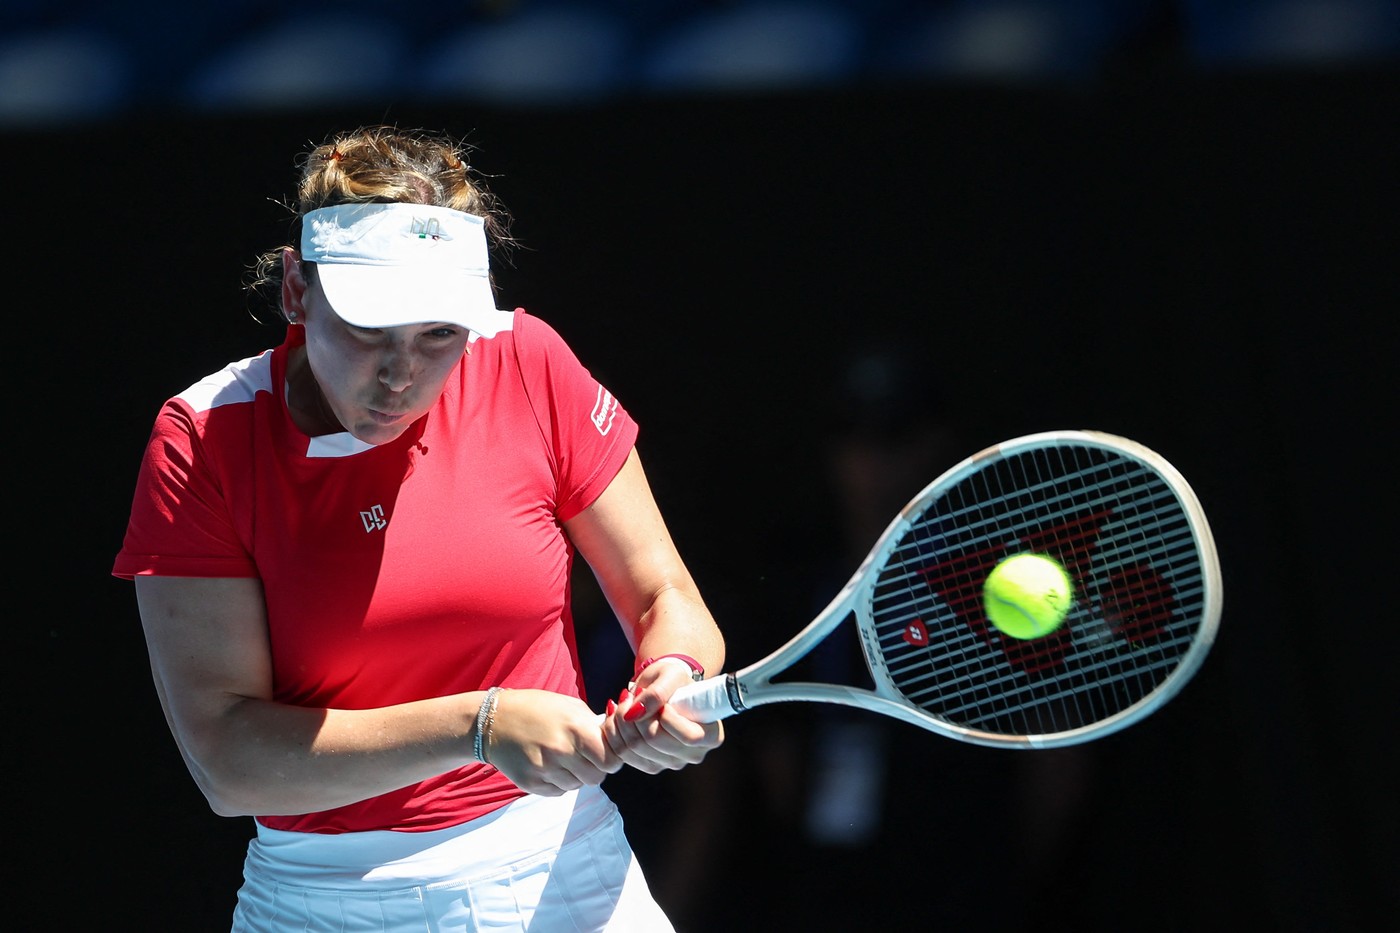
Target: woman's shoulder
[(532, 341), (239, 381), (533, 328)]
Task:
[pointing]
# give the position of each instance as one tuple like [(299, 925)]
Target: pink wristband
[(697, 670)]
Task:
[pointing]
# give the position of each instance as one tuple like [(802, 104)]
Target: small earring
[(291, 317)]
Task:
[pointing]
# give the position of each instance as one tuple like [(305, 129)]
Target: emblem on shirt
[(604, 411), (374, 519)]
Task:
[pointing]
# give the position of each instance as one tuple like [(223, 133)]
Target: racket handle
[(706, 701)]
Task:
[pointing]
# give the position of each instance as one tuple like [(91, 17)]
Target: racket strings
[(1123, 535)]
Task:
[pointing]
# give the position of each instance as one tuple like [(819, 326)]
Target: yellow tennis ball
[(1028, 595)]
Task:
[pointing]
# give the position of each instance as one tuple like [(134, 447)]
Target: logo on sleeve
[(604, 411)]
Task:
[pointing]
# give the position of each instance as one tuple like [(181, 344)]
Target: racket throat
[(735, 693)]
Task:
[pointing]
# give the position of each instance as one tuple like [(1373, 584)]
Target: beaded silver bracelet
[(484, 715)]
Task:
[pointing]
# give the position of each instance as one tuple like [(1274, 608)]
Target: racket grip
[(705, 701)]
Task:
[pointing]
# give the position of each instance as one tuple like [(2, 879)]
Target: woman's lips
[(381, 417)]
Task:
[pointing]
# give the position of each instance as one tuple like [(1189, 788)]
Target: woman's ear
[(293, 287)]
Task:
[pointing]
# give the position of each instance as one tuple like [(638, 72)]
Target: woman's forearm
[(259, 757)]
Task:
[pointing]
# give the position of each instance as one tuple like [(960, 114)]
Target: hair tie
[(697, 670)]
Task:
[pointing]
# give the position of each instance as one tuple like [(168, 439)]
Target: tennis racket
[(1147, 599)]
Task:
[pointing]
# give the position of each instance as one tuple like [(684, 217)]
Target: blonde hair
[(382, 164)]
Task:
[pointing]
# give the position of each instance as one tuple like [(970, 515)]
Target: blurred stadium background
[(1173, 219), (95, 60)]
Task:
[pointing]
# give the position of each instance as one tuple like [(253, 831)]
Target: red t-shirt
[(431, 565)]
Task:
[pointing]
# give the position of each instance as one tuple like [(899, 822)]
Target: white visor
[(386, 265)]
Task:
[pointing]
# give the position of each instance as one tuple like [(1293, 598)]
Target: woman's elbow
[(222, 809), (225, 794)]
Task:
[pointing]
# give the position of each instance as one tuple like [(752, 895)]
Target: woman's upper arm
[(624, 539), (208, 645)]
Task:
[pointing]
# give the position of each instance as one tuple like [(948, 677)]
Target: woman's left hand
[(648, 734)]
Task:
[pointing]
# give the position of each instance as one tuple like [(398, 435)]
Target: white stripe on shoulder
[(235, 383)]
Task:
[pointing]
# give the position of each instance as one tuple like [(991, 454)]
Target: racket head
[(1148, 594)]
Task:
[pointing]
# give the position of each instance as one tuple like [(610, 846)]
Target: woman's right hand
[(548, 743)]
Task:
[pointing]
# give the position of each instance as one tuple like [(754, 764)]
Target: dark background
[(1205, 264)]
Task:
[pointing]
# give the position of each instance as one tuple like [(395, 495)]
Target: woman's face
[(375, 382)]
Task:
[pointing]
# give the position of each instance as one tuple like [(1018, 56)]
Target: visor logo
[(429, 229)]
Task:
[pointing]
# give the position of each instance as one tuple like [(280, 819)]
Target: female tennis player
[(352, 556)]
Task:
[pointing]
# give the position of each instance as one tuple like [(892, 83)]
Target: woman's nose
[(397, 372)]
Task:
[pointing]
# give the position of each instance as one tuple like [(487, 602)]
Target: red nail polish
[(622, 697), (612, 707), (636, 712)]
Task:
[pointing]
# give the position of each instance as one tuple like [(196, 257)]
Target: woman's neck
[(306, 403)]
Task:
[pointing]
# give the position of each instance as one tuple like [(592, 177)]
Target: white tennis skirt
[(540, 864)]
